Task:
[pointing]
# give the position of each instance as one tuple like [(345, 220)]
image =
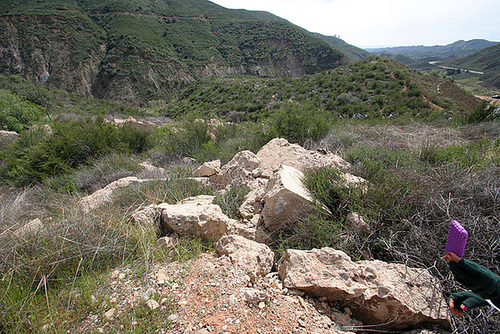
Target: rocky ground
[(239, 288), (211, 296)]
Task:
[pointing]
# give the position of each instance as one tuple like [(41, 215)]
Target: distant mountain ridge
[(458, 48), (144, 50)]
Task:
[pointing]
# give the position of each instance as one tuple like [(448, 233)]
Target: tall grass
[(231, 200), (45, 259), (71, 251)]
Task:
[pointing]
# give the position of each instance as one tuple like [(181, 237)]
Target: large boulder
[(198, 216), (286, 199), (376, 292), (148, 216), (252, 258), (280, 152), (252, 204), (153, 171), (138, 124), (239, 170)]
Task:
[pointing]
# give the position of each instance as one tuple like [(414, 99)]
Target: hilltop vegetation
[(136, 52), (458, 58), (59, 102), (372, 88)]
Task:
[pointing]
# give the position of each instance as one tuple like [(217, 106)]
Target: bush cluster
[(231, 200), (37, 155), (204, 142), (17, 114)]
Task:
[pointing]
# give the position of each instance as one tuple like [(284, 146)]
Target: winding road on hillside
[(435, 63)]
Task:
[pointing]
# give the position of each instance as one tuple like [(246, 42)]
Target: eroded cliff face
[(43, 48), (82, 54)]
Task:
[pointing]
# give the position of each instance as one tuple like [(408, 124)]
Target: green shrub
[(102, 171), (71, 145), (136, 140), (311, 232), (17, 114), (483, 153), (482, 113), (205, 143), (329, 189), (298, 124), (187, 139), (169, 191), (74, 143)]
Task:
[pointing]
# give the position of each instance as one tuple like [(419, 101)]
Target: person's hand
[(452, 257), (457, 311)]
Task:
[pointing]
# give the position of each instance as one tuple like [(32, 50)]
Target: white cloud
[(387, 22)]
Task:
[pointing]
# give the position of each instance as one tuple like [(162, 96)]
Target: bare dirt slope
[(210, 296)]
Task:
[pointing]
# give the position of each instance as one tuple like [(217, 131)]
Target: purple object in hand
[(457, 238)]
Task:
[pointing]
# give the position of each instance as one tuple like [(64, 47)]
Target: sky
[(378, 23)]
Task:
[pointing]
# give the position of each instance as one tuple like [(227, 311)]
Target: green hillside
[(138, 51), (373, 88), (487, 61), (352, 52)]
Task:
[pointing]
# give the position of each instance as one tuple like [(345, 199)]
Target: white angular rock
[(285, 199), (197, 216), (104, 195), (152, 304), (153, 170), (252, 204), (375, 291), (167, 242), (238, 170), (280, 152), (208, 169), (110, 314), (8, 134), (138, 124), (253, 258)]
